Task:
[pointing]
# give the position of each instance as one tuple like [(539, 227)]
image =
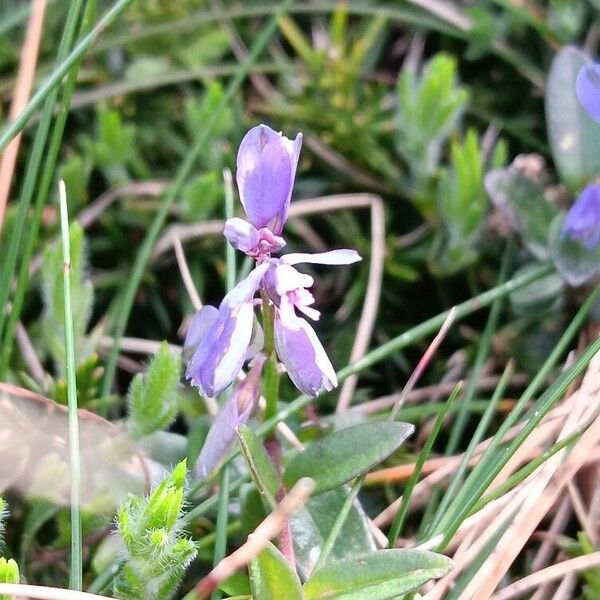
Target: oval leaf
[(311, 526), (271, 577), (522, 203), (574, 136), (378, 576), (344, 454)]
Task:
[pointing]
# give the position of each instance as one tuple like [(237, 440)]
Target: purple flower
[(267, 164), (583, 219), (236, 410), (587, 88), (266, 168), (223, 337)]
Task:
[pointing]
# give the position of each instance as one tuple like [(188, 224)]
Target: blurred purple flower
[(266, 168), (236, 410), (582, 222), (587, 88)]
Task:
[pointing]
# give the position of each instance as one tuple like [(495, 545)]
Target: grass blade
[(76, 573)]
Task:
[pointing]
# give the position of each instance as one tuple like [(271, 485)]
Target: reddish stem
[(286, 545)]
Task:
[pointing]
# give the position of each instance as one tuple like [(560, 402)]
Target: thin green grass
[(64, 67), (43, 190), (76, 571), (30, 178), (482, 426), (399, 518)]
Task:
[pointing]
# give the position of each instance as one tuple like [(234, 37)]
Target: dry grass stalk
[(23, 85), (553, 572), (543, 489)]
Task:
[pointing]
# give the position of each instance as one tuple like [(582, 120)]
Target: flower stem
[(271, 380)]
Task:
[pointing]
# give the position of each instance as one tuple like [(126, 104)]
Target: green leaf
[(252, 508), (153, 397), (312, 524), (377, 576), (537, 297), (236, 585), (261, 467), (462, 207), (345, 454), (574, 136), (271, 577), (429, 107), (522, 204), (9, 573)]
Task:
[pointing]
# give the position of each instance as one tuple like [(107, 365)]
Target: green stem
[(271, 378), (222, 519), (76, 573), (173, 192)]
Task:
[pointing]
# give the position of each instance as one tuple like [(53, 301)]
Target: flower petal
[(583, 219), (333, 257), (201, 323), (244, 291), (301, 352), (587, 88), (266, 168), (219, 358), (235, 411), (241, 235)]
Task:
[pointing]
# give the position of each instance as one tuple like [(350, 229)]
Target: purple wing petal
[(220, 356), (266, 166), (333, 257), (301, 352), (244, 291), (202, 321), (587, 88), (222, 352)]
